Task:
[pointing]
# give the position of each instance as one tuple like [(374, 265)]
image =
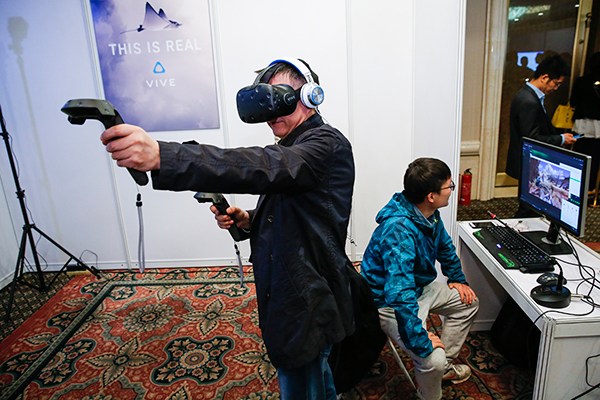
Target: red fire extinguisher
[(466, 180)]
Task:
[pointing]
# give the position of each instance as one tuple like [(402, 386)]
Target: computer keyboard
[(513, 250)]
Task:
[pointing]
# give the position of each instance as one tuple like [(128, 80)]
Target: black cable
[(587, 360), (591, 280), (587, 391), (240, 264), (583, 271), (141, 247), (28, 266), (547, 312), (563, 313), (592, 387), (89, 251)]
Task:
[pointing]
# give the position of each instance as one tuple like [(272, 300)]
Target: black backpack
[(515, 336), (351, 359)]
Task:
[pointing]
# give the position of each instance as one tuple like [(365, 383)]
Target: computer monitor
[(554, 183)]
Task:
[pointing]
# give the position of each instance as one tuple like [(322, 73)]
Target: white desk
[(566, 341)]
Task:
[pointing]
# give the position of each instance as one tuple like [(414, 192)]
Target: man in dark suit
[(528, 116)]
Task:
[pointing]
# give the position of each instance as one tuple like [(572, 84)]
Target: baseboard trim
[(4, 282), (505, 186), (505, 192), (482, 325)]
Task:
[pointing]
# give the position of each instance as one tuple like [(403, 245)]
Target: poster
[(156, 62)]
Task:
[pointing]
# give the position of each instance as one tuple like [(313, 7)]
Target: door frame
[(495, 54)]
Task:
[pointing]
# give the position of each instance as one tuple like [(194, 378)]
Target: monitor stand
[(549, 241)]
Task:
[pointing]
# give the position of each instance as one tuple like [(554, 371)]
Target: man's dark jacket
[(528, 119), (298, 229), (585, 99)]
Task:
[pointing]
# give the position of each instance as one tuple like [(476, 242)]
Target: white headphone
[(311, 93)]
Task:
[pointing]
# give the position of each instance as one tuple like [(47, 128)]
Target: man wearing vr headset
[(298, 229)]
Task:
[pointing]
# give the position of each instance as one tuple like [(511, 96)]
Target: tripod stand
[(27, 237)]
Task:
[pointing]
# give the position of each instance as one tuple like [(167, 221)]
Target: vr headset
[(262, 102)]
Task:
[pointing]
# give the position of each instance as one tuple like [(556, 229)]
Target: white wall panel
[(381, 116), (438, 81)]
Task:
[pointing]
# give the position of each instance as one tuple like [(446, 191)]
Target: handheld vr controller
[(222, 205), (80, 110)]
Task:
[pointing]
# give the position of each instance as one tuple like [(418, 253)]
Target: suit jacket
[(528, 119)]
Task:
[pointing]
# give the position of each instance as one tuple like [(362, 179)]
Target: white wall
[(8, 239), (392, 72), (406, 65)]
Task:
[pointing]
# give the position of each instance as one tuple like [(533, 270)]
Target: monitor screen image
[(553, 183)]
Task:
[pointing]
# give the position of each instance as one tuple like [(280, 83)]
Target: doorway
[(536, 29), (518, 30)]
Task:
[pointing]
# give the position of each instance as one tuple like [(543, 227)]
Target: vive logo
[(158, 68), (160, 82)]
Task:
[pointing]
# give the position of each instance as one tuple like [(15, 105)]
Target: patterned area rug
[(188, 334), (173, 335)]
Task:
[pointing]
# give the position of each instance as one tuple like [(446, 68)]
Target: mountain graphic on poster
[(155, 21)]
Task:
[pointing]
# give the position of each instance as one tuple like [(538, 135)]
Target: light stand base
[(27, 236), (18, 276)]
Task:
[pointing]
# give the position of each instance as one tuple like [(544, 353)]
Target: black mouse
[(549, 278)]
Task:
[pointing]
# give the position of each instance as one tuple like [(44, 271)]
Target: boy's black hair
[(424, 176)]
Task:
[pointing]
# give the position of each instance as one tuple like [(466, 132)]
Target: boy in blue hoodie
[(399, 264)]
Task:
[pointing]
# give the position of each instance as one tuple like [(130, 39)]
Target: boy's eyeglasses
[(451, 187)]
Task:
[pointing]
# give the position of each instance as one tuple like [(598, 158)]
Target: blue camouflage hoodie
[(400, 261)]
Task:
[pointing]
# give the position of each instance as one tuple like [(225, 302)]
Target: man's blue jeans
[(313, 381)]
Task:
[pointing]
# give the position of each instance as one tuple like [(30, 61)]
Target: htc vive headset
[(262, 102)]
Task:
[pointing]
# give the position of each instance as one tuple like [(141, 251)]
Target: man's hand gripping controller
[(222, 205), (80, 110)]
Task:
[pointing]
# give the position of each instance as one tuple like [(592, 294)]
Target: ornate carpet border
[(21, 383)]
